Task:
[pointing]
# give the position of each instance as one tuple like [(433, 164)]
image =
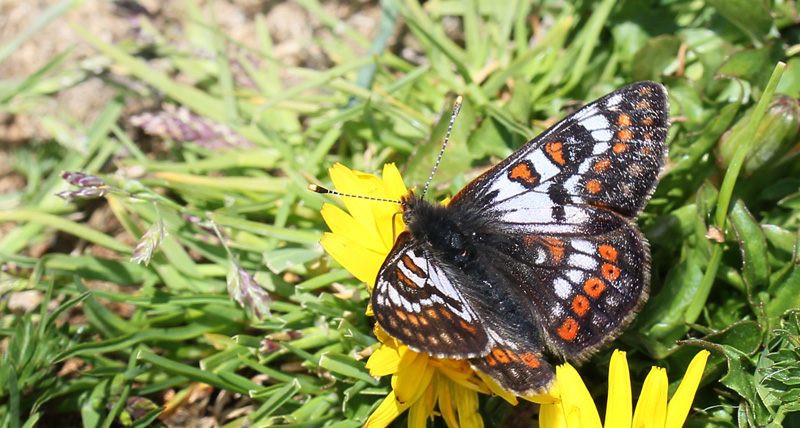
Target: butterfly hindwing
[(585, 287), (417, 301), (516, 368)]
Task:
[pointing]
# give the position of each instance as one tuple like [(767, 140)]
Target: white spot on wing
[(586, 165), (587, 111), (575, 276), (583, 246), (595, 123), (600, 148), (543, 166), (582, 261), (562, 288), (613, 100), (533, 208), (571, 185), (602, 135), (541, 257)]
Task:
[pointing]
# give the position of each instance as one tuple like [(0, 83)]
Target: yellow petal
[(446, 407), (357, 259), (409, 384), (393, 182), (619, 409), (460, 372), (552, 416), (344, 224), (422, 409), (387, 360), (551, 396), (385, 212), (497, 389), (466, 401), (373, 215), (678, 407), (651, 410), (577, 403), (357, 183), (388, 411)]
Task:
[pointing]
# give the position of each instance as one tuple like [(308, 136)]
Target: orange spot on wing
[(490, 360), (413, 320), (400, 314), (648, 121), (404, 279), (602, 165), (555, 247), (593, 186), (580, 305), (522, 172), (501, 356), (625, 134), (569, 329), (431, 313), (529, 240), (410, 265), (530, 360), (594, 287), (620, 147), (607, 252), (610, 272), (642, 105), (467, 327), (555, 150), (624, 120), (645, 90)]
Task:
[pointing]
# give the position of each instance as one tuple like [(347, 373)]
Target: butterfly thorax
[(448, 231)]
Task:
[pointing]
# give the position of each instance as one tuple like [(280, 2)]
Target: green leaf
[(346, 366), (753, 245), (750, 16), (652, 60)]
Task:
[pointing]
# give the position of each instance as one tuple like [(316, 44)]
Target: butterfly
[(538, 257)]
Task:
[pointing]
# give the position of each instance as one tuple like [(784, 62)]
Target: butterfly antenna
[(324, 190), (456, 109)]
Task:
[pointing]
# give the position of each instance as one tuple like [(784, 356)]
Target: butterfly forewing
[(607, 154), (419, 303)]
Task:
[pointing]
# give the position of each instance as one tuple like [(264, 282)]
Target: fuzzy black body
[(538, 256)]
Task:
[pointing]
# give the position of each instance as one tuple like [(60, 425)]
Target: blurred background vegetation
[(189, 130)]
